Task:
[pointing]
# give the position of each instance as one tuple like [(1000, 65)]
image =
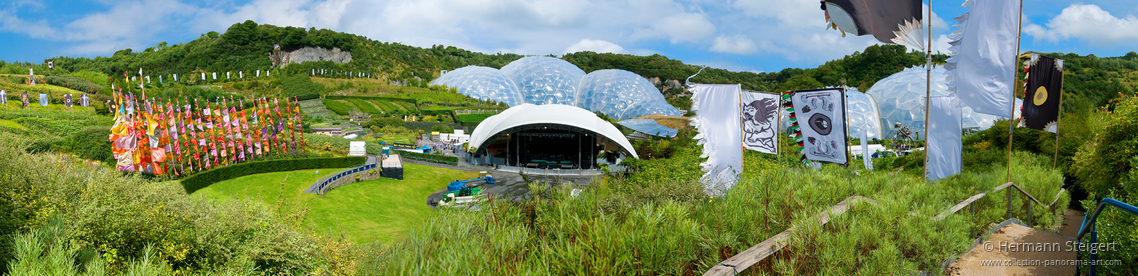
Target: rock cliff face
[(282, 58)]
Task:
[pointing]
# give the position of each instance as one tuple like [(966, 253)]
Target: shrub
[(89, 143), (383, 122), (1108, 167), (75, 83), (54, 208), (203, 179), (442, 128), (433, 158)]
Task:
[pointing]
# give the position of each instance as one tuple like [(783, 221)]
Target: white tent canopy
[(529, 114)]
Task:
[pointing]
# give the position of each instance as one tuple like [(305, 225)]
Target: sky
[(738, 35)]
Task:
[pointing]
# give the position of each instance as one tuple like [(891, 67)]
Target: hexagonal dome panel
[(863, 115), (901, 99), (483, 83), (622, 95), (545, 80)]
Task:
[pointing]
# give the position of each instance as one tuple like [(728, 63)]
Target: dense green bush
[(89, 143), (433, 158), (1108, 167), (474, 117), (442, 128), (200, 180), (383, 122), (58, 216), (75, 83)]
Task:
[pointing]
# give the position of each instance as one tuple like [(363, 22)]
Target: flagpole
[(1058, 121), (777, 148), (1012, 104), (928, 88)]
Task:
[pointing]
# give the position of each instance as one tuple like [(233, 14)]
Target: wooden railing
[(768, 247)]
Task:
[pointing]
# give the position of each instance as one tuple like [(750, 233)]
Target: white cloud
[(1087, 22), (598, 46), (685, 27), (737, 44)]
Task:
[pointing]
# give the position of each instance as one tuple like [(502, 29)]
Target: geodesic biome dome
[(545, 80), (483, 83), (617, 93), (622, 95), (863, 115), (901, 99)]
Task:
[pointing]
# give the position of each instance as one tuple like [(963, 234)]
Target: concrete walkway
[(513, 187), (1015, 249)]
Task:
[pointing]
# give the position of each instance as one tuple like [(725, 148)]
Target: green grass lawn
[(11, 124), (380, 210)]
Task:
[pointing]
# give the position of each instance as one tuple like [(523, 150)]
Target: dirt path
[(1072, 219), (990, 258)]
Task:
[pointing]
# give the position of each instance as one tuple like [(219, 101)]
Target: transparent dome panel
[(616, 92), (545, 80), (483, 83), (863, 115), (901, 100)]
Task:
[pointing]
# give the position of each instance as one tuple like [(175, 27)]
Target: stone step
[(1015, 249)]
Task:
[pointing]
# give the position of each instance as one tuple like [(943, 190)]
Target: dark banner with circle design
[(1041, 99)]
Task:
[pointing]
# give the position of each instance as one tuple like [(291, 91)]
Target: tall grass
[(132, 225), (658, 221)]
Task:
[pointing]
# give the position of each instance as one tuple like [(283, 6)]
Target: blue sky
[(739, 35)]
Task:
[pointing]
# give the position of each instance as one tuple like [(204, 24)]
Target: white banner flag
[(982, 68), (866, 156), (944, 138), (241, 74), (215, 75), (759, 119), (717, 120), (258, 73)]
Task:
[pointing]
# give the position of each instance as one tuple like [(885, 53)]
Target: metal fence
[(533, 171), (323, 185)]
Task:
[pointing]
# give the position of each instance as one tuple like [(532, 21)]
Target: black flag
[(1041, 99), (890, 21)]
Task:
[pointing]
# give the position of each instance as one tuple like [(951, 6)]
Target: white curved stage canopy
[(549, 114)]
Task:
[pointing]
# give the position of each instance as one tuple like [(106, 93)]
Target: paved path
[(1044, 246), (513, 187)]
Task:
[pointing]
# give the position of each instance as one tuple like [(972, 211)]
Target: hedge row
[(201, 180), (76, 83), (433, 158), (410, 101)]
